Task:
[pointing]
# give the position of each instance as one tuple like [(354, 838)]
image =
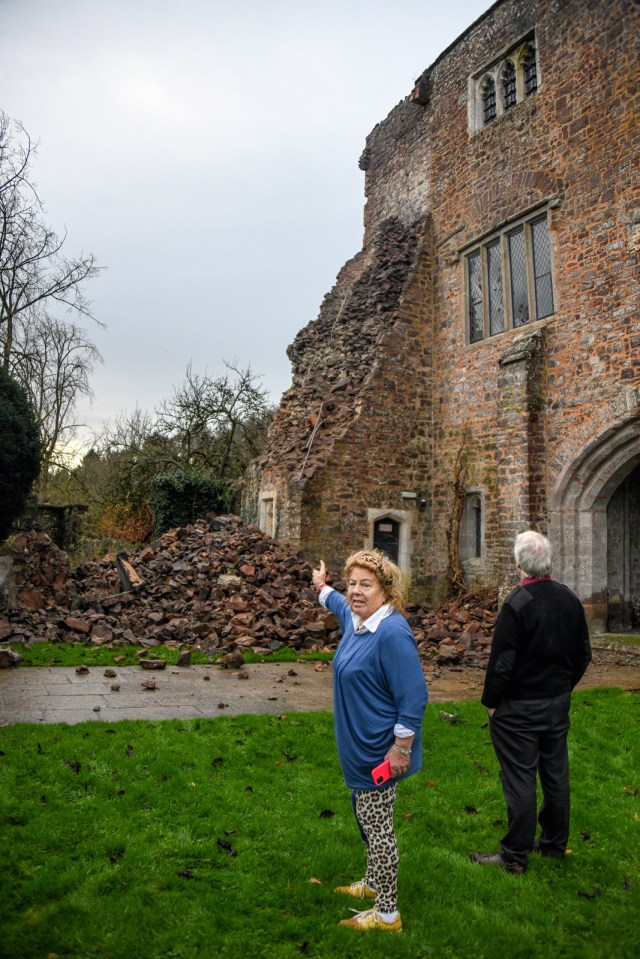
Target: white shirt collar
[(372, 623)]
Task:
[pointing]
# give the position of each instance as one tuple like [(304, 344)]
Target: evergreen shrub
[(20, 451), (181, 498)]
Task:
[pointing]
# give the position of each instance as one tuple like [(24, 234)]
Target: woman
[(380, 695)]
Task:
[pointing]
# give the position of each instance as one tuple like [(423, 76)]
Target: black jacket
[(540, 645)]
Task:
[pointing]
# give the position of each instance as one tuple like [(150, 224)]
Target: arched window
[(489, 100), (530, 72), (503, 83), (509, 92)]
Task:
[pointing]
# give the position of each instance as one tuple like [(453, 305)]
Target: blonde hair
[(385, 571)]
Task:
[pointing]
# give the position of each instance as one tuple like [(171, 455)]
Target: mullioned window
[(504, 83), (509, 279)]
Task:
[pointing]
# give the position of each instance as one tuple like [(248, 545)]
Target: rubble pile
[(40, 572), (218, 586), (458, 632)]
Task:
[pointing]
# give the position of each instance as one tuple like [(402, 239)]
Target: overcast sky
[(206, 151)]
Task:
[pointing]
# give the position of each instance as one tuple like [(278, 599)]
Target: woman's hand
[(399, 761), (319, 575)]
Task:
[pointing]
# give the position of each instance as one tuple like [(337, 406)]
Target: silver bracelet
[(402, 750)]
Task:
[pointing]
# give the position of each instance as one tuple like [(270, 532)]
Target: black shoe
[(495, 859)]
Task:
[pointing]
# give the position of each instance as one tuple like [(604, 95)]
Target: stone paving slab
[(53, 694), (57, 694)]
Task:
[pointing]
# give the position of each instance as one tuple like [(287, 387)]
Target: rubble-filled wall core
[(475, 369), (360, 383)]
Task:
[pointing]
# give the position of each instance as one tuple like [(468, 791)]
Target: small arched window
[(530, 72), (509, 92), (489, 100), (503, 83)]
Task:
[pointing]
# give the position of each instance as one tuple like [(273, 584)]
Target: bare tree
[(211, 426), (33, 269), (133, 451), (52, 361), (210, 416)]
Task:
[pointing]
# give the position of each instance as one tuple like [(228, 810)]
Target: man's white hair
[(533, 553)]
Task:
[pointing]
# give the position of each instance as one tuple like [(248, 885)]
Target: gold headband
[(370, 558)]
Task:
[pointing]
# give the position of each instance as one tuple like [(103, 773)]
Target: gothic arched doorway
[(595, 512), (623, 555)]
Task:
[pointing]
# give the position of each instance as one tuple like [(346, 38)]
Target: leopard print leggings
[(374, 812)]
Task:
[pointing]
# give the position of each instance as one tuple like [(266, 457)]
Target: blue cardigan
[(377, 682)]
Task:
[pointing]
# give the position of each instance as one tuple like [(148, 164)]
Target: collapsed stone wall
[(333, 356), (350, 393)]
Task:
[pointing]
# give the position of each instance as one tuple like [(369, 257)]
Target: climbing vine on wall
[(455, 576)]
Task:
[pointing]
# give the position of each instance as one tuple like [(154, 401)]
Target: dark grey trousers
[(530, 740)]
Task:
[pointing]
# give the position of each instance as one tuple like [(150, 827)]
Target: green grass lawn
[(226, 837), (631, 638), (81, 654)]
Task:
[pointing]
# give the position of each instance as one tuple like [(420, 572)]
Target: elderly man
[(540, 651)]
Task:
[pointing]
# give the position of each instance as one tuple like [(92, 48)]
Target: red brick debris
[(219, 587)]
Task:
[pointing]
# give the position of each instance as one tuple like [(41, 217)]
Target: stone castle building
[(475, 370)]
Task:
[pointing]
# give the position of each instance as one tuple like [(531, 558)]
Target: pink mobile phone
[(381, 773)]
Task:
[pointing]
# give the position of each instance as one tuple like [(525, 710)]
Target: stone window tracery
[(501, 85), (509, 279)]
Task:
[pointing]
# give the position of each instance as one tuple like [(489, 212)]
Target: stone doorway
[(390, 531), (594, 526), (623, 556), (386, 537)]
